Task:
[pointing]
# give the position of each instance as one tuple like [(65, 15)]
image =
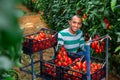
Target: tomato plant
[(11, 38), (99, 17)]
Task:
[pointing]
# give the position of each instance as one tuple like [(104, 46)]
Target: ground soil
[(30, 23)]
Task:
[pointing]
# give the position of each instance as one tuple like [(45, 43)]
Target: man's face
[(75, 24)]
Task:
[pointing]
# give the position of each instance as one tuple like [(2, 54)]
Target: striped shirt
[(72, 42)]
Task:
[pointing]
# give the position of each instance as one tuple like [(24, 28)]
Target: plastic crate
[(32, 45), (49, 70), (71, 74)]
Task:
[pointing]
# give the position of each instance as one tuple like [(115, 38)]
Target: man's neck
[(71, 31)]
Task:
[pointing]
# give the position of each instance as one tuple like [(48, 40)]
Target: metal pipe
[(106, 58)]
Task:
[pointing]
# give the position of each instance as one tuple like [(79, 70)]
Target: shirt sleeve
[(60, 39)]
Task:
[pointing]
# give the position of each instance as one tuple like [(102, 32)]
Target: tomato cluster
[(40, 36), (39, 41), (79, 68), (62, 58), (98, 46), (82, 67), (107, 23)]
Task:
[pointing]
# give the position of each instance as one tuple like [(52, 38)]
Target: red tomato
[(85, 16), (97, 47), (84, 69), (76, 60), (84, 64), (75, 67), (96, 36), (96, 51), (42, 35), (79, 65), (64, 58), (31, 36), (59, 63), (47, 65), (63, 48), (100, 50), (93, 45), (64, 63), (59, 57), (64, 53), (70, 62), (96, 67), (106, 21)]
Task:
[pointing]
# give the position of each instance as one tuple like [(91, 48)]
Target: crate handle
[(101, 39)]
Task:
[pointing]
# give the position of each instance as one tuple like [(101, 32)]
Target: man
[(72, 39)]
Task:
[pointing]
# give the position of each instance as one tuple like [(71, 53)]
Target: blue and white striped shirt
[(72, 42)]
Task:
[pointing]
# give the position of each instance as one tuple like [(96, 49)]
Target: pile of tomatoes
[(98, 46), (40, 36), (40, 41), (77, 67), (62, 58), (82, 66), (77, 70)]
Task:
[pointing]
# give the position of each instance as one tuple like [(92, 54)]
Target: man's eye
[(74, 22), (79, 23)]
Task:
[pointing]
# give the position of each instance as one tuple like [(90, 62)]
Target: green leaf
[(118, 40), (10, 78), (17, 63), (113, 3), (118, 33), (118, 19), (106, 13), (103, 24), (117, 49), (5, 63)]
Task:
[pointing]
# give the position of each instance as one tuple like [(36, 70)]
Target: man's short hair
[(76, 16)]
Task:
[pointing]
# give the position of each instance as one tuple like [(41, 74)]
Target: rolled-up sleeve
[(60, 39)]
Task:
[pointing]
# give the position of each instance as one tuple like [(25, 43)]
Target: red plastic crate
[(31, 45), (71, 74)]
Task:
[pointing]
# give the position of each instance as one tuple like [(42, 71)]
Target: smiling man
[(73, 40)]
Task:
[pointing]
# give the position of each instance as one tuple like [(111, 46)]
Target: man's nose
[(76, 25)]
